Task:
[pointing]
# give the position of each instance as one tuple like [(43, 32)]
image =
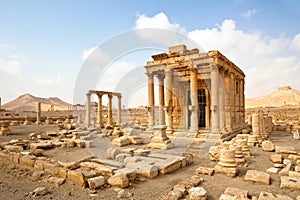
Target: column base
[(165, 145)]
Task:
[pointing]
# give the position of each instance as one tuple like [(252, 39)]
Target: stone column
[(194, 99), (0, 103), (119, 110), (256, 127), (161, 98), (100, 124), (227, 86), (221, 104), (215, 123), (109, 110), (38, 114), (151, 110), (88, 110), (169, 103)]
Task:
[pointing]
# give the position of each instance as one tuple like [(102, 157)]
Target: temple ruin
[(199, 92)]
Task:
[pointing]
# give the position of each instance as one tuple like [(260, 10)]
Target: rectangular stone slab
[(291, 183)]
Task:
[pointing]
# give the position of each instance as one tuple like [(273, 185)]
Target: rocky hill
[(283, 96), (28, 102)]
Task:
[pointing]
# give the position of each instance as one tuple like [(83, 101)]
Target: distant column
[(109, 110), (119, 110), (0, 103), (100, 110), (161, 119), (215, 123), (169, 103), (151, 110), (221, 105), (227, 86), (88, 110), (194, 99), (38, 114)]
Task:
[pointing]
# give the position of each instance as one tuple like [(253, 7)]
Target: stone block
[(168, 166), (27, 161), (294, 174), (141, 152), (4, 156), (100, 168), (96, 182), (272, 170), (62, 172), (236, 191), (145, 170), (39, 165), (205, 171), (268, 146), (56, 181), (174, 195), (276, 158), (256, 176), (112, 152), (270, 196), (13, 148), (121, 157), (285, 150), (285, 170), (130, 173), (14, 158), (291, 183), (226, 197), (41, 145), (51, 168), (121, 141), (40, 191), (119, 180), (109, 162), (76, 177), (197, 193), (296, 135)]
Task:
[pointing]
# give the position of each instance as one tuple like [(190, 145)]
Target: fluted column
[(100, 123), (221, 104), (169, 103), (227, 86), (161, 97), (109, 110), (151, 111), (88, 110), (119, 110), (194, 99), (215, 123)]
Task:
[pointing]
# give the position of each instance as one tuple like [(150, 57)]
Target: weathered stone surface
[(109, 162), (112, 152), (285, 170), (214, 152), (145, 170), (168, 166), (235, 191), (226, 197), (276, 158), (76, 177), (174, 195), (141, 152), (121, 141), (205, 171), (41, 145), (197, 193), (130, 173), (27, 161), (291, 183), (96, 182), (39, 165), (13, 148), (40, 191), (56, 181), (270, 196), (180, 188), (272, 170), (14, 158), (257, 177), (285, 150), (294, 174), (62, 172), (102, 169), (296, 135), (121, 157), (119, 180), (196, 180), (268, 146)]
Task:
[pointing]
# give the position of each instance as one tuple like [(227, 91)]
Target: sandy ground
[(18, 182)]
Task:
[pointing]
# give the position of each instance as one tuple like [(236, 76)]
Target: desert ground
[(19, 182)]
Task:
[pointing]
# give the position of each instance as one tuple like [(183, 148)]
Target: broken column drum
[(227, 163)]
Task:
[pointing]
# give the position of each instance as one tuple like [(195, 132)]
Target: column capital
[(149, 74), (160, 76), (88, 94), (214, 68)]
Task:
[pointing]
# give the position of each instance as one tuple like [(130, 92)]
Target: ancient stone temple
[(199, 92)]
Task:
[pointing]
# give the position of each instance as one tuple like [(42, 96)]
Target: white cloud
[(296, 42), (11, 67), (249, 13), (158, 21), (47, 82), (95, 55)]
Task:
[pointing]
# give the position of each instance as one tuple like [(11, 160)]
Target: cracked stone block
[(291, 183), (256, 176)]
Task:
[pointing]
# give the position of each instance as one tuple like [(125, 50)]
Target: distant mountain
[(28, 102), (283, 96)]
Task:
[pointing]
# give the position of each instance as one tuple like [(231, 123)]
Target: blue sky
[(42, 42)]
